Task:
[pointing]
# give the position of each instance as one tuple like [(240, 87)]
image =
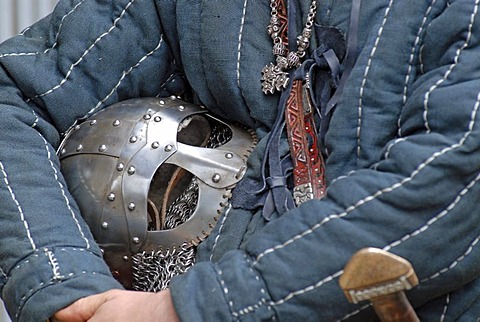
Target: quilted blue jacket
[(402, 151)]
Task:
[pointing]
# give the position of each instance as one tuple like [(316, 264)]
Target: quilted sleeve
[(82, 57)]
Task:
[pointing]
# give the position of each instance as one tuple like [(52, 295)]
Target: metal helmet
[(131, 164)]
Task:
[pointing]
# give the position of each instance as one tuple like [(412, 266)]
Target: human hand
[(119, 305)]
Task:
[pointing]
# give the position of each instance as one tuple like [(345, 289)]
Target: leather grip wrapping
[(394, 308)]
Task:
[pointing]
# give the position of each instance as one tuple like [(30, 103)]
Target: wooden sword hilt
[(382, 278)]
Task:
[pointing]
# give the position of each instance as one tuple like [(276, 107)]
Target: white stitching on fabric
[(85, 53), (3, 273), (36, 255), (380, 192), (450, 69), (454, 263), (62, 188), (390, 146), (414, 47), (252, 308), (23, 263), (19, 207), (307, 289), (445, 309), (76, 249), (34, 124), (412, 57), (442, 214), (18, 54), (41, 285), (61, 25), (56, 36), (365, 76), (220, 230), (225, 289), (263, 300), (54, 264), (342, 177), (164, 85), (425, 227), (420, 60), (124, 75), (240, 35), (24, 31), (351, 314), (289, 296)]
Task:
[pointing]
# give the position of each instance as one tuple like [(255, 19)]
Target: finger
[(82, 309)]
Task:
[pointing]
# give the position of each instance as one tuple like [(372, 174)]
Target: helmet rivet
[(125, 258), (102, 148), (63, 151), (93, 122), (216, 178), (77, 127), (147, 117), (155, 145), (79, 147), (131, 206), (168, 148), (157, 118), (104, 225), (131, 170), (162, 102), (229, 155), (120, 167), (181, 108), (116, 123), (136, 240), (111, 196), (133, 139)]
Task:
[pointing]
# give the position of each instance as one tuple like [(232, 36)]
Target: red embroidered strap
[(309, 166), (283, 21)]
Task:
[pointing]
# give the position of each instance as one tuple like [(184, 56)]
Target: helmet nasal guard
[(135, 163)]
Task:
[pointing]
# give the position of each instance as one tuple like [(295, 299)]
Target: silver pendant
[(274, 78)]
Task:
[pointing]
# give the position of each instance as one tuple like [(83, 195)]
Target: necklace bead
[(275, 76)]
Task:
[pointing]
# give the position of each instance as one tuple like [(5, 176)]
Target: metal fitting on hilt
[(382, 278)]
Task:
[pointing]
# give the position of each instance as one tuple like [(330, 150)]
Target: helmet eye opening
[(195, 131), (172, 197)]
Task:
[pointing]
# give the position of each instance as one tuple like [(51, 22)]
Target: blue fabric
[(402, 152)]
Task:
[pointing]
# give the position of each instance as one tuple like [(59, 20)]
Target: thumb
[(82, 309)]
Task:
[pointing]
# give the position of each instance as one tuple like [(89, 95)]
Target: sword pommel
[(380, 277)]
